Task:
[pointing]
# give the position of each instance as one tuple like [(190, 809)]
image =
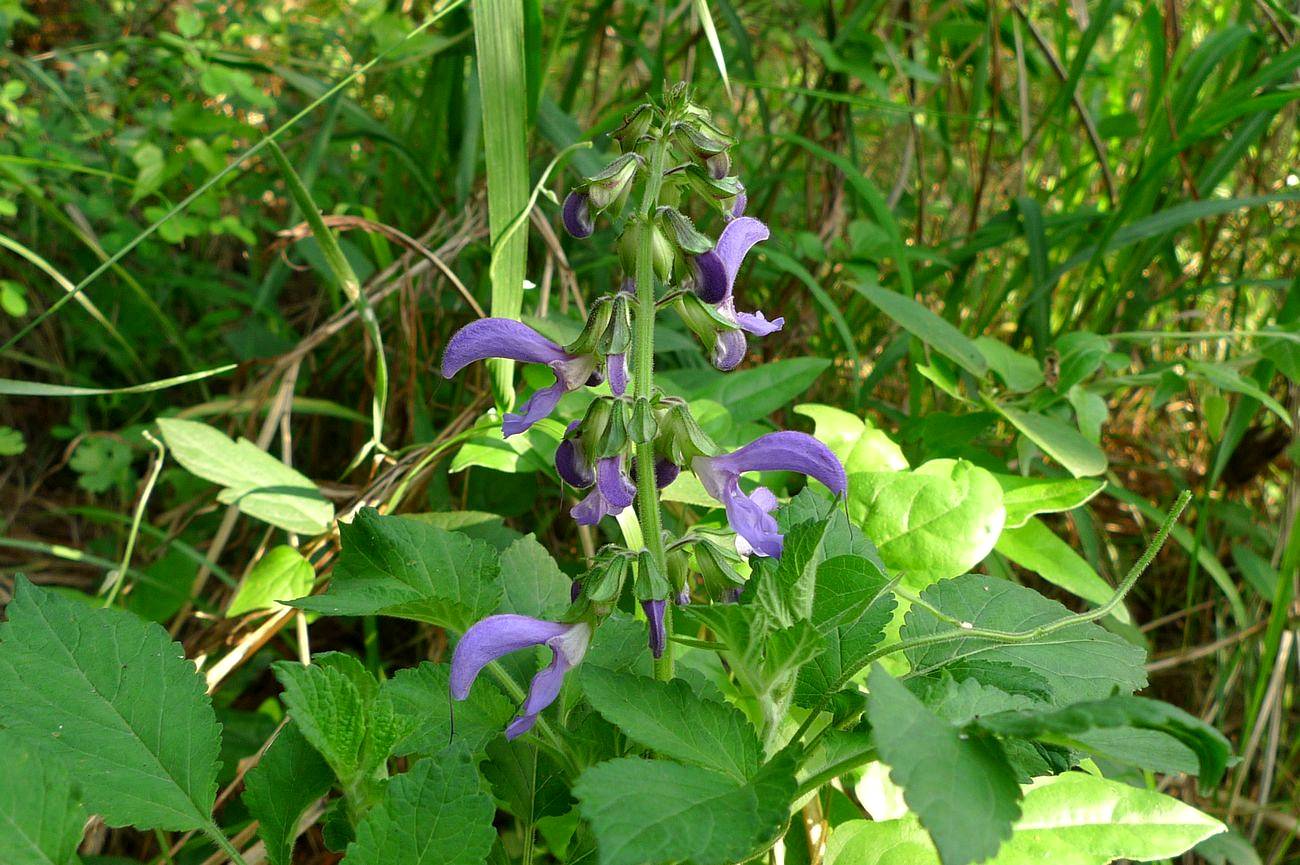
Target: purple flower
[(504, 337), (571, 462), (500, 635), (717, 268), (612, 494), (576, 215), (616, 367), (750, 516), (666, 471), (739, 205), (654, 614)]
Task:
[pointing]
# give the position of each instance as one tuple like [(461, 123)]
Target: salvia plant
[(705, 692)]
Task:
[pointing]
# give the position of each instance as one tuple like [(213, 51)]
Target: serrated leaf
[(532, 583), (394, 566), (41, 814), (934, 522), (256, 482), (863, 596), (656, 811), (1065, 725), (435, 814), (960, 786), (118, 700), (290, 776), (526, 781), (280, 575), (1079, 662), (1027, 497), (1071, 819), (959, 702), (422, 694), (671, 719)]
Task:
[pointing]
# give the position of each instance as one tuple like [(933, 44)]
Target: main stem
[(643, 354)]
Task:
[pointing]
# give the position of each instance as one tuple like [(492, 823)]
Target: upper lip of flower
[(719, 266)]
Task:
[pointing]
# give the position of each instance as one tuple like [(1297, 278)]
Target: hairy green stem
[(643, 348), (219, 838)]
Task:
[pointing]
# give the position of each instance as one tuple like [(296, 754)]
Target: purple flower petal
[(539, 405), (728, 349), (711, 283), (576, 215), (654, 614), (571, 466), (785, 451), (492, 638), (498, 337), (612, 494), (757, 324), (738, 207), (666, 471), (616, 365), (684, 597), (735, 242), (541, 693), (752, 522)]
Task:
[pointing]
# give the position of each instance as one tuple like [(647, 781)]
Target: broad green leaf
[(434, 814), (1228, 848), (290, 776), (532, 451), (959, 785), (1064, 725), (786, 586), (750, 394), (1080, 661), (1059, 440), (118, 700), (394, 566), (1027, 497), (280, 575), (933, 522), (1037, 548), (657, 811), (846, 586), (847, 648), (1070, 819), (526, 781), (927, 327), (422, 695), (1019, 372), (258, 483), (476, 524), (41, 814), (531, 581), (671, 719), (961, 701), (340, 710)]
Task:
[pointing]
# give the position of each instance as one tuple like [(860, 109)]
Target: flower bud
[(576, 215), (594, 424), (643, 427), (682, 231), (706, 185), (571, 462), (594, 329), (679, 571), (720, 576), (719, 164), (614, 439), (604, 582), (681, 438), (635, 126), (663, 252), (651, 582), (701, 138), (613, 181), (619, 334)]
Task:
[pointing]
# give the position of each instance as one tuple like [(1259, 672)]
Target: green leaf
[(846, 647), (1027, 497), (1037, 548), (102, 463), (119, 701), (750, 394), (258, 483), (934, 522), (41, 815), (927, 327), (531, 581), (1080, 661), (394, 566), (1018, 372), (340, 710), (1071, 819), (290, 776), (960, 786), (422, 695), (280, 575), (671, 719), (657, 811), (435, 814), (1059, 440), (1064, 725), (961, 701)]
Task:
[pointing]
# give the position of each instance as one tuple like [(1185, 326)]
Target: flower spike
[(497, 636)]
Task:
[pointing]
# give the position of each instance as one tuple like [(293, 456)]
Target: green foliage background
[(1033, 173)]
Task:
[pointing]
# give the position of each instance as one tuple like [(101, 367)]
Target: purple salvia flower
[(497, 636), (717, 268), (504, 337), (666, 471), (683, 598), (738, 206), (571, 461), (616, 366), (654, 614), (576, 215), (750, 515), (612, 494)]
